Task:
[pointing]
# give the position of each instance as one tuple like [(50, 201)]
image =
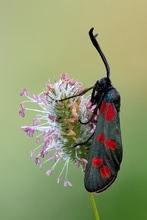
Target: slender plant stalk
[(94, 207)]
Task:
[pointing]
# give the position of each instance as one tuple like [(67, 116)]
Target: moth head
[(104, 83)]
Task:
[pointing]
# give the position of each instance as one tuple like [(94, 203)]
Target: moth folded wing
[(92, 180), (112, 155), (105, 154)]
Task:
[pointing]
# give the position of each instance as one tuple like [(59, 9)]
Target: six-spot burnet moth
[(105, 154)]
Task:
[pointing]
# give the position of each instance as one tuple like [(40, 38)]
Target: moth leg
[(82, 143), (73, 96)]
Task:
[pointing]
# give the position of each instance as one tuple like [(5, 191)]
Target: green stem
[(94, 207)]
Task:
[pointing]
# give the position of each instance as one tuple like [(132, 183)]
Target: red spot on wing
[(110, 143), (105, 172), (103, 107), (96, 161), (100, 137), (110, 114)]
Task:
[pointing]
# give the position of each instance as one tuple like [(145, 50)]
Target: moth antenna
[(97, 46)]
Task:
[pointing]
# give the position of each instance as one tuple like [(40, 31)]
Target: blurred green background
[(39, 40)]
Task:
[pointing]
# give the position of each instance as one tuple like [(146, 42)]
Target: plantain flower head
[(60, 135)]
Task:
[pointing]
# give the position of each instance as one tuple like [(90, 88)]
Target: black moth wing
[(105, 153)]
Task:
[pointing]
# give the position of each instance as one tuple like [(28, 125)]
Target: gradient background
[(38, 41)]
